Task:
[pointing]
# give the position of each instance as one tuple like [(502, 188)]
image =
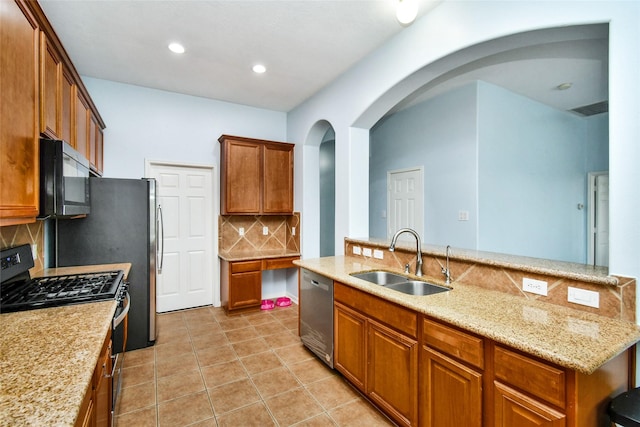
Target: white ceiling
[(305, 44)]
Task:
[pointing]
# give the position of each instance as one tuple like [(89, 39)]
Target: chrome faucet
[(445, 270), (392, 247)]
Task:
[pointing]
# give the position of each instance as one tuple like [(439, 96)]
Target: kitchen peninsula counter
[(48, 356), (570, 338)]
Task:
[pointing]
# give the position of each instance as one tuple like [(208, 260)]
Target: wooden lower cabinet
[(377, 358), (450, 393), (350, 345), (445, 376), (241, 282), (95, 410), (393, 372), (513, 408)]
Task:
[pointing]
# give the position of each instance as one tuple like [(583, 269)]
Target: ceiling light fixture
[(406, 11), (259, 69), (176, 47), (564, 86)]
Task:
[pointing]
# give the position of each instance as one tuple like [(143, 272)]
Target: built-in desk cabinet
[(461, 379), (241, 282), (256, 176)]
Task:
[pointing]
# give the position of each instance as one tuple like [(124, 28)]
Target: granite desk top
[(570, 338), (47, 357), (262, 254)]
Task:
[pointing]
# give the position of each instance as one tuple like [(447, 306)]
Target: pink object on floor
[(283, 302), (267, 304)]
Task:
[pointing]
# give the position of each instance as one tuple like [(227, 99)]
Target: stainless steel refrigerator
[(124, 225)]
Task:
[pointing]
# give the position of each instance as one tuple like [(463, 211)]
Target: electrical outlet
[(378, 254), (534, 286), (583, 297), (463, 215), (34, 251), (265, 231), (357, 250), (241, 231), (366, 252), (293, 231)]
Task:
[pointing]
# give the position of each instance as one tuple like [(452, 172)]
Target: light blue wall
[(327, 195), (152, 124), (439, 135), (517, 166), (533, 175)]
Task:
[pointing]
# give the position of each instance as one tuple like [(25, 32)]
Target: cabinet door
[(81, 141), (513, 408), (95, 145), (450, 392), (392, 373), (102, 396), (19, 120), (67, 101), (241, 175), (350, 345), (278, 179), (50, 89), (245, 289)]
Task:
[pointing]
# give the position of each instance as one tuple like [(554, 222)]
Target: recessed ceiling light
[(406, 11), (259, 68), (176, 47)]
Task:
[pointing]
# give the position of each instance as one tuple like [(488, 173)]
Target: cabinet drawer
[(400, 318), (453, 342), (276, 263), (244, 266), (531, 376)]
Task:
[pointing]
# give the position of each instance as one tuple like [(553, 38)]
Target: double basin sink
[(400, 283)]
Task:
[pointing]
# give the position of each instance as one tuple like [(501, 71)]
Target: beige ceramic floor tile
[(138, 374), (293, 354), (137, 397), (253, 346), (311, 370), (175, 386), (275, 382), (359, 413), (322, 420), (242, 334), (214, 355), (205, 341), (292, 407), (261, 362), (176, 365), (223, 373), (185, 410), (255, 415), (139, 357), (332, 392), (229, 397), (143, 418)]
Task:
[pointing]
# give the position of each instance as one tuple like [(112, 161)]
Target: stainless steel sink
[(417, 287), (400, 283), (380, 277)]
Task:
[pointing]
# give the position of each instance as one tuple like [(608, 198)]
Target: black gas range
[(20, 292)]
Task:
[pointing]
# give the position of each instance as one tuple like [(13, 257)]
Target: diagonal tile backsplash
[(280, 234), (33, 234)]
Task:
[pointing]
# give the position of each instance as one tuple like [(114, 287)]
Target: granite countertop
[(565, 336), (262, 254), (47, 357)]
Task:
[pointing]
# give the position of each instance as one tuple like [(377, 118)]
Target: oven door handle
[(125, 310)]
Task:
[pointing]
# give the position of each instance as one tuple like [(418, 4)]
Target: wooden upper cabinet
[(256, 176), (278, 178), (50, 89), (67, 94), (19, 121), (81, 140)]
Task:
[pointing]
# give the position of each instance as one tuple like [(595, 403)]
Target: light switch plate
[(357, 250), (366, 252), (378, 254), (265, 231), (241, 231)]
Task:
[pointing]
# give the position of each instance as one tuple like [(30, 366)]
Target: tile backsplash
[(33, 234), (283, 232)]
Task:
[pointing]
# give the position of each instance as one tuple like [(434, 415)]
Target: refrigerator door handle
[(160, 225)]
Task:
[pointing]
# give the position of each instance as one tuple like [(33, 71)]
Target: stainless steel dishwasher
[(316, 315)]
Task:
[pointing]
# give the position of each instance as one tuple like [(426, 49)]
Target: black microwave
[(64, 181)]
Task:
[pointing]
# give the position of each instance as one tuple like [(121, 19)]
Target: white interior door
[(599, 219), (405, 201), (185, 194)]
